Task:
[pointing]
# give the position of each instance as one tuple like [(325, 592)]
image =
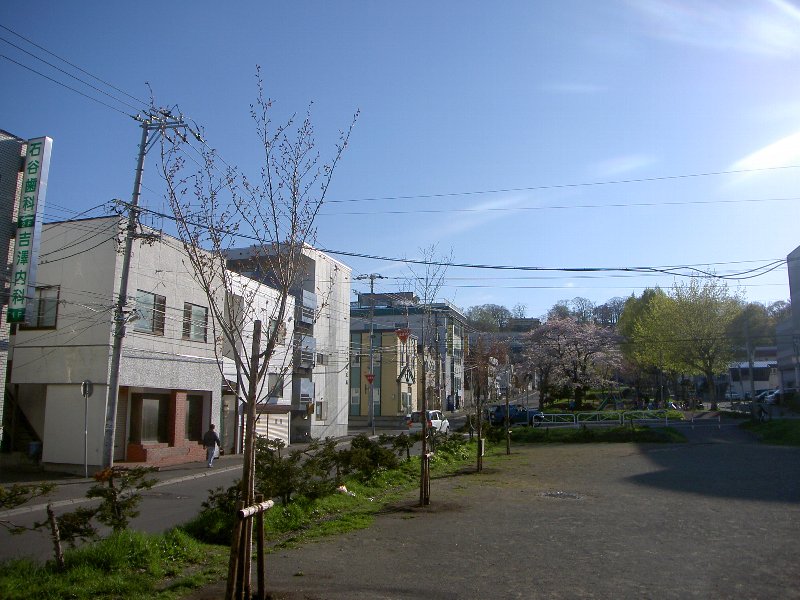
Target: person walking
[(211, 441)]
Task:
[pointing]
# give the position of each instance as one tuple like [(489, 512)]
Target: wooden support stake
[(260, 567), (233, 563)]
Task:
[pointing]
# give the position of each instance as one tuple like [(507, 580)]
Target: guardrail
[(606, 418), (646, 416), (603, 417), (560, 419)]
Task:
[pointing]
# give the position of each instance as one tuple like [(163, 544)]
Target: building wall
[(85, 306), (789, 333), (82, 258), (332, 332), (387, 369), (12, 149), (449, 324)]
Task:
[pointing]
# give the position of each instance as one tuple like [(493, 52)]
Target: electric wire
[(73, 65), (114, 108), (76, 78)]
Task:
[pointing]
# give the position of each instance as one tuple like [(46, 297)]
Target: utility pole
[(751, 366), (157, 124), (508, 410), (371, 408), (438, 364)]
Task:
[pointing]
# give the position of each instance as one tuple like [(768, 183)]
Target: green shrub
[(118, 488)]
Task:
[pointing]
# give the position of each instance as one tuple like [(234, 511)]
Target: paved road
[(717, 517), (174, 500)]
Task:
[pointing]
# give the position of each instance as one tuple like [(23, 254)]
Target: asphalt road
[(174, 500)]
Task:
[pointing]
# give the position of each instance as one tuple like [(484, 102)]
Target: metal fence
[(608, 418)]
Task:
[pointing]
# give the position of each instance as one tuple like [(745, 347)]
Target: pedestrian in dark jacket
[(211, 441)]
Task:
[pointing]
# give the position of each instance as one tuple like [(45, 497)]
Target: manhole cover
[(565, 495)]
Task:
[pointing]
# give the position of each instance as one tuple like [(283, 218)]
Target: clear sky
[(480, 123)]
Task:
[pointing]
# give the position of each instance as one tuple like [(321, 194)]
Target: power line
[(499, 267), (64, 60), (76, 78), (114, 108), (554, 207), (563, 185)]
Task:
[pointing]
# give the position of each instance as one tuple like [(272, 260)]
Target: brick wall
[(178, 449)]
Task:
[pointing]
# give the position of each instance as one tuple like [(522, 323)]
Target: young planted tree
[(426, 284), (482, 361), (217, 208)]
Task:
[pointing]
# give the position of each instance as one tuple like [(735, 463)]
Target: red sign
[(370, 377)]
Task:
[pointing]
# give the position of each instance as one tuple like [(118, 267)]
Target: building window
[(320, 358), (275, 386), (45, 308), (355, 400), (150, 309), (319, 410), (149, 418), (195, 322), (194, 418)]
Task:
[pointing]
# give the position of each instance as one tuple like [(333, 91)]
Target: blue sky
[(458, 99)]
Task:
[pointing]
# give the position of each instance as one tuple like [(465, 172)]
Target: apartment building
[(441, 325), (320, 333), (392, 362)]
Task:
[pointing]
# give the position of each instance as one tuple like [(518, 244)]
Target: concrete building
[(445, 333), (170, 382), (394, 370), (788, 333), (251, 299), (321, 336)]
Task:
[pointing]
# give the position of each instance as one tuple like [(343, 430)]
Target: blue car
[(516, 414)]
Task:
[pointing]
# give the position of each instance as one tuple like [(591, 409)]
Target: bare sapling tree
[(271, 221), (427, 283)]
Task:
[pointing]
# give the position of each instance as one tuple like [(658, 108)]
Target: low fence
[(608, 418)]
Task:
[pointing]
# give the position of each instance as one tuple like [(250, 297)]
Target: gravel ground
[(713, 518)]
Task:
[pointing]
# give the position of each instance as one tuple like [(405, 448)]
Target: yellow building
[(394, 372)]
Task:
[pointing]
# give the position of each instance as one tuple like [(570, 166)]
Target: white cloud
[(620, 165), (763, 27), (782, 153), (480, 215)]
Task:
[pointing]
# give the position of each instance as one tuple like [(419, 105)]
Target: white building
[(170, 382), (253, 300), (321, 341)]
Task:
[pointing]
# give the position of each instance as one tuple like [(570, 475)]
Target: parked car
[(437, 422), (732, 395), (517, 413)]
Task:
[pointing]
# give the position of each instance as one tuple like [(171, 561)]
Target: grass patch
[(638, 434), (784, 432), (125, 565), (304, 520)]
